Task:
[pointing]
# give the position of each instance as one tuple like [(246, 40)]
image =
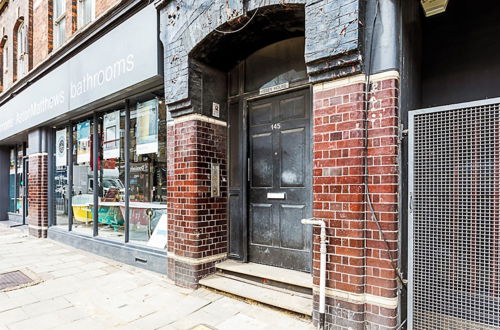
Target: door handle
[(280, 195)]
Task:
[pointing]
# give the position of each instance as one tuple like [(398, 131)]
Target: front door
[(280, 180)]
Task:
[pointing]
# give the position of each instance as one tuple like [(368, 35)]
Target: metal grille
[(454, 218), (13, 279)]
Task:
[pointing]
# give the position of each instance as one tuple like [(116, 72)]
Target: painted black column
[(127, 170), (95, 162), (69, 162)]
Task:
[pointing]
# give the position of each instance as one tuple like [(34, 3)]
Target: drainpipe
[(322, 268)]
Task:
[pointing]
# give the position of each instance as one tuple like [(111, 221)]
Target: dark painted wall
[(461, 53)]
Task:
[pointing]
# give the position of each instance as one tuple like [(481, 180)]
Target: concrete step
[(267, 274), (270, 295)]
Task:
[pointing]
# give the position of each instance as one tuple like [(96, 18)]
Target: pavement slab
[(79, 290)]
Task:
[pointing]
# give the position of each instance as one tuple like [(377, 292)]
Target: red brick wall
[(358, 260), (37, 195), (8, 19), (42, 31), (101, 6), (39, 16), (197, 226)]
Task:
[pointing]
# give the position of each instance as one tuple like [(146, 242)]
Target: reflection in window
[(85, 12), (61, 194), (12, 182), (59, 22), (111, 174), (20, 180), (22, 51), (148, 174), (82, 197), (281, 62)]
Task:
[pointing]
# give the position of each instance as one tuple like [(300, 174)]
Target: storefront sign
[(61, 157), (274, 88), (111, 143), (83, 142), (124, 57), (147, 128)]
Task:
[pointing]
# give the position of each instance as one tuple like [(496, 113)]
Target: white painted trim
[(197, 261), (197, 116), (360, 298), (327, 85), (357, 79), (38, 154), (393, 74), (38, 227)]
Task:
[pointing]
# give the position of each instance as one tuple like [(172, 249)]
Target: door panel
[(292, 231), (292, 157), (293, 108), (262, 160), (261, 223), (280, 181)]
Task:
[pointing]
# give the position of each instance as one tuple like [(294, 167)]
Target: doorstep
[(282, 288)]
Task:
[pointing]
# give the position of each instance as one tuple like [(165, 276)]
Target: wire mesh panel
[(455, 218)]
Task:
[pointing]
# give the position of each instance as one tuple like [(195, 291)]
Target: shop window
[(22, 50), (279, 63), (111, 175), (85, 12), (82, 196), (148, 174), (16, 180), (61, 196), (12, 182), (59, 22)]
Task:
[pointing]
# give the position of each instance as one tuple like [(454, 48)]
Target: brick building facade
[(234, 120)]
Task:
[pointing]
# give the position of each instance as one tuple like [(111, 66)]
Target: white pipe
[(322, 268)]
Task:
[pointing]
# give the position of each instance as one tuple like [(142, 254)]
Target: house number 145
[(275, 126)]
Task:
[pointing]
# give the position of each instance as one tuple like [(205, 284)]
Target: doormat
[(14, 280)]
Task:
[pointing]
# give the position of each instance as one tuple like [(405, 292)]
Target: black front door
[(280, 181)]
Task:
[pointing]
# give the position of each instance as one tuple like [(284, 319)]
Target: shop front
[(94, 133)]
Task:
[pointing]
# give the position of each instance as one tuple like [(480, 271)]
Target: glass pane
[(82, 199), (60, 33), (59, 8), (19, 180), (276, 64), (111, 174), (12, 181), (61, 178), (148, 175)]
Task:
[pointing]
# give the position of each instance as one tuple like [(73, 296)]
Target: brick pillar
[(361, 283), (37, 195), (197, 228)]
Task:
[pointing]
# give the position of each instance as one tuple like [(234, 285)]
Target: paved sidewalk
[(83, 291)]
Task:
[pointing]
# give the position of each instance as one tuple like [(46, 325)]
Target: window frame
[(22, 50), (59, 21), (80, 8)]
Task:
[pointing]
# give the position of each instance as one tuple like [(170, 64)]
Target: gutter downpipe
[(322, 267)]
